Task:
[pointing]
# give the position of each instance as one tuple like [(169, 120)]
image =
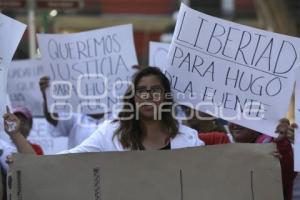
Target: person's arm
[(285, 150), (287, 166), (23, 146), (50, 117), (12, 128)]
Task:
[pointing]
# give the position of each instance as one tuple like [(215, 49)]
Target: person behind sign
[(77, 128), (145, 122), (284, 152), (18, 126), (209, 128), (212, 134)]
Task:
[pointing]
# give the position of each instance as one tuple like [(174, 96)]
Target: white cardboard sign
[(158, 53), (90, 70), (235, 72), (11, 32), (241, 171), (23, 85)]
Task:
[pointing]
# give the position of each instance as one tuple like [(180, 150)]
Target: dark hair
[(130, 131)]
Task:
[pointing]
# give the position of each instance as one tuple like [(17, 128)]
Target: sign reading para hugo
[(89, 71), (11, 32), (158, 53), (235, 72), (23, 85), (297, 120)]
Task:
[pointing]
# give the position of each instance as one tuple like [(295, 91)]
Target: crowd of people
[(150, 125)]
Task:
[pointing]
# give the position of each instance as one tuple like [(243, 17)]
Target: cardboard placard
[(231, 171)]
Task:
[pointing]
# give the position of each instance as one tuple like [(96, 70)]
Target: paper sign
[(43, 135), (158, 54), (11, 32), (241, 171), (238, 73), (23, 85), (89, 71), (297, 120)]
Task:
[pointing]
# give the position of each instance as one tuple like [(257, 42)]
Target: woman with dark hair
[(146, 121)]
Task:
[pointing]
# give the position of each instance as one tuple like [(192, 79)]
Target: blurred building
[(150, 18)]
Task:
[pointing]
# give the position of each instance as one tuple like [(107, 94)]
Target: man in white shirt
[(77, 128)]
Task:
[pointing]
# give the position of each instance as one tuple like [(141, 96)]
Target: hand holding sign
[(11, 122), (286, 130), (44, 84)]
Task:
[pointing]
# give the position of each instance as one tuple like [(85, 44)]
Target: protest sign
[(297, 120), (241, 171), (44, 135), (89, 71), (11, 32), (158, 53), (23, 85), (3, 135), (241, 74)]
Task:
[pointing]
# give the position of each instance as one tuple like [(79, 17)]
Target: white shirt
[(103, 139), (77, 128), (7, 149)]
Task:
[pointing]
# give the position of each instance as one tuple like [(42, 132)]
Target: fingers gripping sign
[(286, 130), (44, 83), (11, 122)]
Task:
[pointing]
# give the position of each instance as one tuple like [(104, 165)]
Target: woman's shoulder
[(183, 129), (186, 137), (108, 125), (106, 129)]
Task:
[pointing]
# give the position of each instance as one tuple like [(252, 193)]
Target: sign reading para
[(11, 32), (232, 71), (158, 53), (89, 71), (23, 85)]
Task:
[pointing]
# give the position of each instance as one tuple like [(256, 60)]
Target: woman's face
[(149, 94)]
